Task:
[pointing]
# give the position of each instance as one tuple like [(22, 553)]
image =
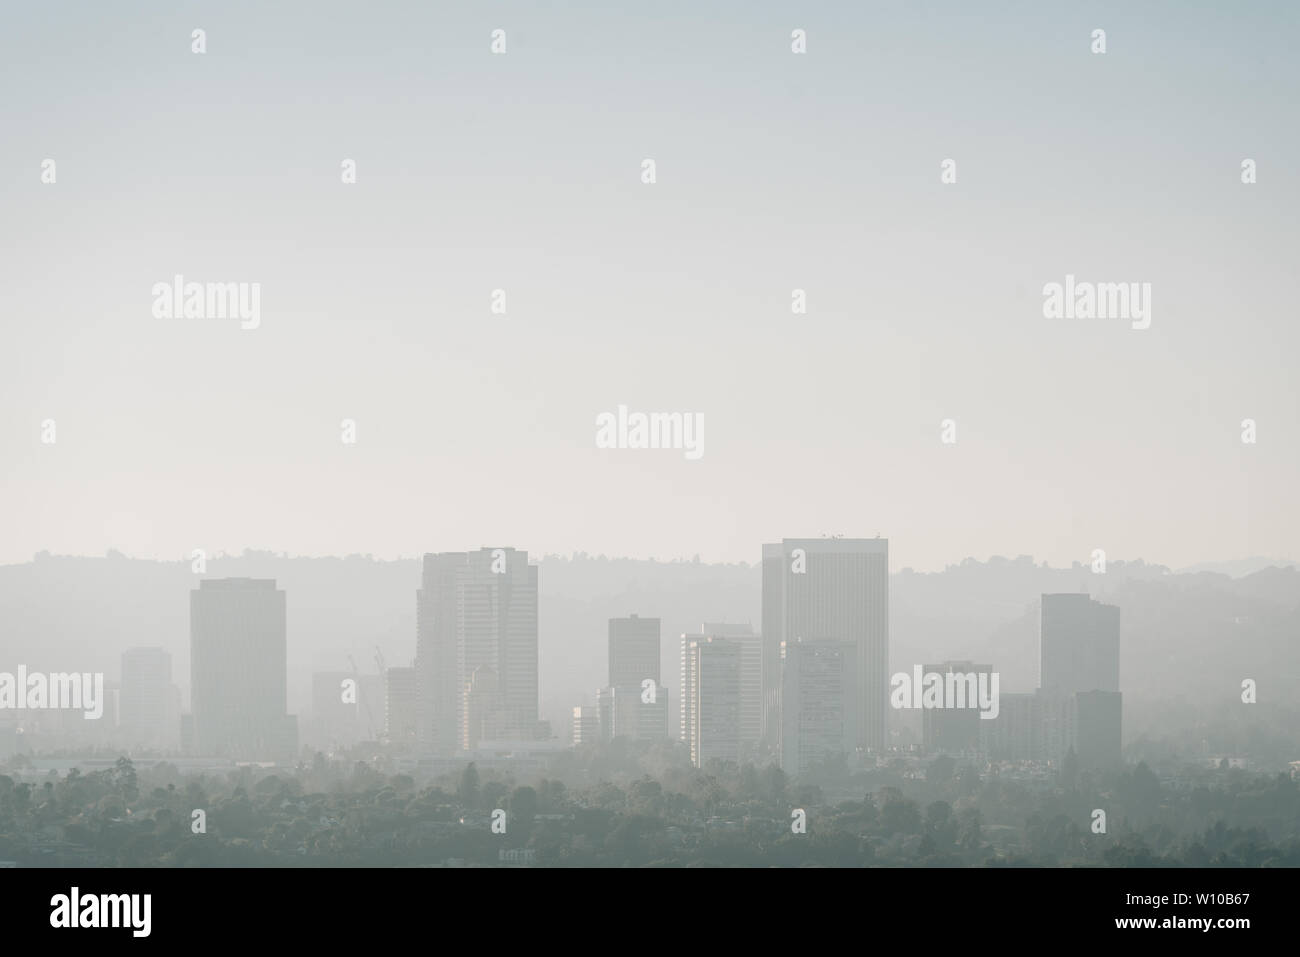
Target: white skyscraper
[(711, 682), (238, 649), (751, 680), (830, 589), (476, 610), (819, 699), (633, 651)]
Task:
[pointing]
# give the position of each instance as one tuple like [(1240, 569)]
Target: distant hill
[(1240, 568)]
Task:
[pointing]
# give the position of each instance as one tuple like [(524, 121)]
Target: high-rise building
[(685, 718), (474, 610), (238, 650), (633, 651), (586, 725), (634, 704), (955, 730), (773, 568), (1079, 645), (711, 678), (1016, 734), (605, 712), (401, 706), (148, 706), (634, 714), (1079, 680), (819, 701), (751, 680), (829, 589), (1046, 727)]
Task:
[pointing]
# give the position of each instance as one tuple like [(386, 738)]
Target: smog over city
[(361, 513)]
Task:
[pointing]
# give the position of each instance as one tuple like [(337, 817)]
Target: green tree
[(939, 773), (124, 778)]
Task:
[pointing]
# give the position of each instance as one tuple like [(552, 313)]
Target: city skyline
[(555, 708), (476, 663), (747, 436)]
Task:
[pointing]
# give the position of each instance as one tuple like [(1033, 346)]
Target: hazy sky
[(775, 171)]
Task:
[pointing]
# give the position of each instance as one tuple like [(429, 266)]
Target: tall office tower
[(770, 667), (1078, 680), (628, 706), (586, 725), (751, 680), (476, 609), (819, 702), (148, 715), (633, 714), (401, 705), (1079, 645), (238, 650), (955, 730), (829, 589), (439, 673), (685, 717), (605, 712), (633, 651), (711, 697)]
